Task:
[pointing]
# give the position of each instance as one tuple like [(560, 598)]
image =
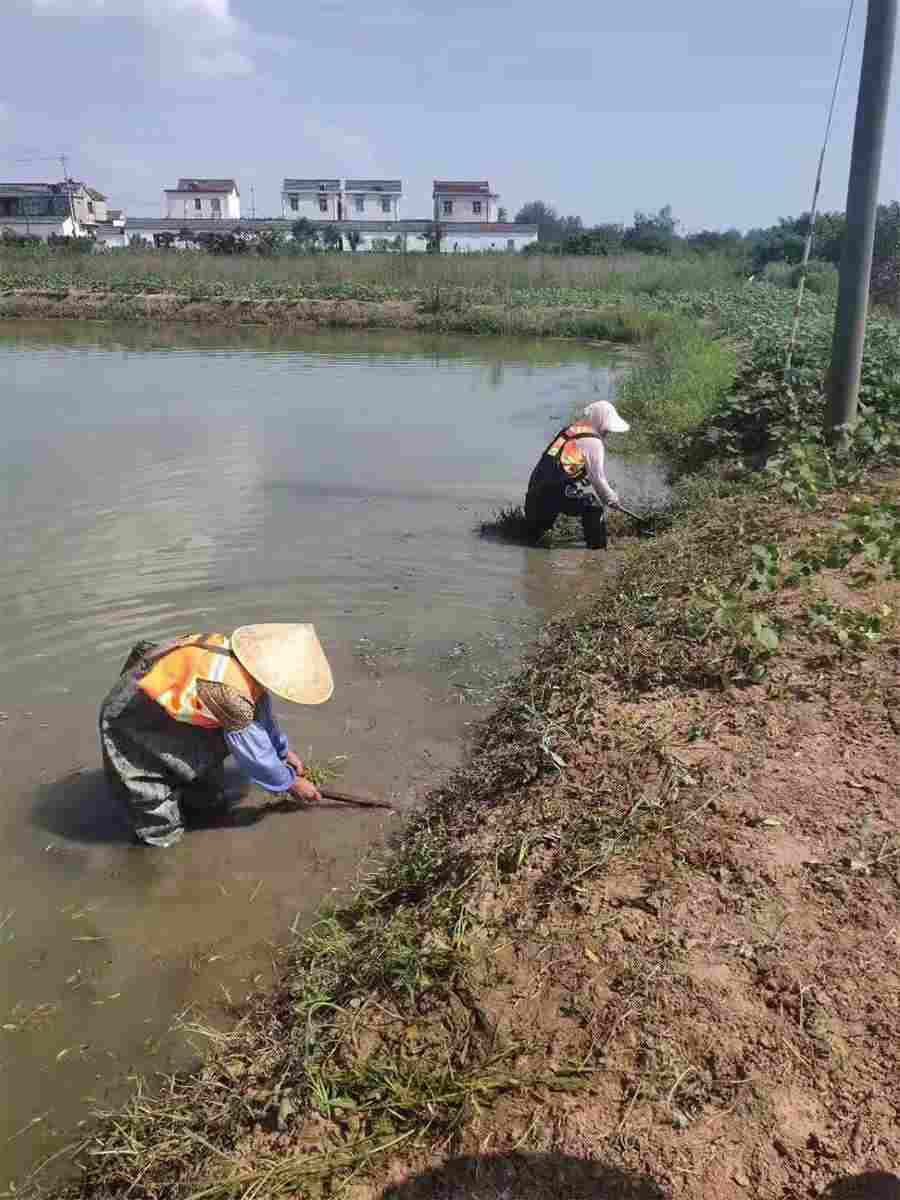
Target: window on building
[(197, 205), (90, 206), (476, 206), (359, 203), (386, 204), (295, 203), (448, 208), (510, 244), (323, 204), (216, 205)]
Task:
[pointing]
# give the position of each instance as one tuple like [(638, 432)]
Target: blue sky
[(599, 108)]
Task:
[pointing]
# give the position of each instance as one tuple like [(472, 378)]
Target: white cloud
[(199, 37)]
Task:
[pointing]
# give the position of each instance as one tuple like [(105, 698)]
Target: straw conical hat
[(286, 659)]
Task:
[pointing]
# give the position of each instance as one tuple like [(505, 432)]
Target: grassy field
[(544, 279), (647, 928)]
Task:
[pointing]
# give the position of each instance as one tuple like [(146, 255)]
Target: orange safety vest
[(565, 449), (172, 680)]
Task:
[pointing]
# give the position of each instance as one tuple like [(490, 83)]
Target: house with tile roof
[(67, 209), (314, 199), (372, 199), (464, 200), (202, 199)]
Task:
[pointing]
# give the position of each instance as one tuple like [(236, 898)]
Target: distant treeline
[(657, 233)]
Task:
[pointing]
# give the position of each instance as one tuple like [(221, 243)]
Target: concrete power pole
[(65, 168), (862, 205)]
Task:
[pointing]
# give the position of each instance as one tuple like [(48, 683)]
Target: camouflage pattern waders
[(155, 765)]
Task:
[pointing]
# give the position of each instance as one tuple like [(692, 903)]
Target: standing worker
[(178, 710), (570, 476)]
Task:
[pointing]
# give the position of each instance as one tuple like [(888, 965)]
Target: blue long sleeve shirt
[(260, 750)]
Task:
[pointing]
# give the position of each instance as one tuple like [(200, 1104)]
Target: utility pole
[(62, 159), (862, 205), (252, 202)]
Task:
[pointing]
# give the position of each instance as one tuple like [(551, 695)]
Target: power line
[(18, 162), (813, 210)]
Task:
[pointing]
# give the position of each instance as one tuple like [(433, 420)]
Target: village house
[(202, 199), (89, 205), (336, 200), (461, 200), (363, 213), (314, 199), (372, 199), (112, 233), (67, 209)]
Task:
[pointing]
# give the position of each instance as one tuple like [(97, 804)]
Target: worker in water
[(179, 709), (571, 478)]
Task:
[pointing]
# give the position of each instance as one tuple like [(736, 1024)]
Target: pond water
[(158, 480)]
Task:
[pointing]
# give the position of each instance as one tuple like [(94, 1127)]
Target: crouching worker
[(178, 710), (571, 478)]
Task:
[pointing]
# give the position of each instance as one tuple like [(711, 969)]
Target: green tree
[(545, 216), (778, 243), (305, 235), (354, 237), (601, 239), (653, 233), (331, 238), (433, 237), (269, 242), (887, 232), (552, 228), (502, 214), (713, 241)]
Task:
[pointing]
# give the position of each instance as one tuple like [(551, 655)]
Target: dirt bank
[(645, 942), (428, 314)]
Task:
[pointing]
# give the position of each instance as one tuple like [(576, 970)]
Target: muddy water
[(157, 481)]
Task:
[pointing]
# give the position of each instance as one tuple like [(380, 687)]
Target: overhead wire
[(814, 207)]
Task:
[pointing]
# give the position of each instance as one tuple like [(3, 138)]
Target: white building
[(89, 205), (66, 209), (464, 200), (341, 200), (495, 237), (202, 199), (372, 199), (490, 237), (315, 199), (39, 227)]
